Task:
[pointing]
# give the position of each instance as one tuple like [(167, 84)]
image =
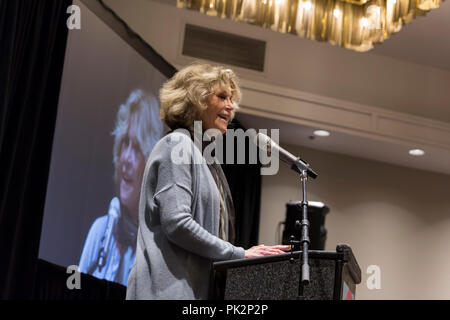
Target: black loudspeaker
[(316, 216)]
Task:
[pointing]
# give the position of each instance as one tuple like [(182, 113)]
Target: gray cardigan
[(178, 226)]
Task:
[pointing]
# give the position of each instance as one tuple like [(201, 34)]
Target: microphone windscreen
[(262, 141)]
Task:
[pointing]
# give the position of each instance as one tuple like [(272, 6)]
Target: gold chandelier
[(353, 24)]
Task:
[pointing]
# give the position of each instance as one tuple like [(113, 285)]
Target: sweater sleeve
[(173, 196)]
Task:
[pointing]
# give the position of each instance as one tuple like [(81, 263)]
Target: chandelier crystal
[(353, 24)]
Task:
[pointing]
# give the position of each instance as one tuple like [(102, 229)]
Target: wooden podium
[(333, 276)]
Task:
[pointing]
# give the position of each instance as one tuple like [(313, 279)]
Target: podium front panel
[(333, 276), (280, 281)]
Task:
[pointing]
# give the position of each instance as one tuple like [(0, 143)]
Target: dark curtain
[(245, 186), (33, 37)]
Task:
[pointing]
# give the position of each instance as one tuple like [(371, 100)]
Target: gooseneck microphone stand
[(304, 241), (298, 165)]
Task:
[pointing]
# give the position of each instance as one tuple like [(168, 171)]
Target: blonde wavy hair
[(143, 109), (183, 97)]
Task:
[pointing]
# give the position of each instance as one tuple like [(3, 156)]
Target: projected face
[(219, 111), (131, 170)]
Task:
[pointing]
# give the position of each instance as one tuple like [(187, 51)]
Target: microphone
[(113, 216), (265, 143)]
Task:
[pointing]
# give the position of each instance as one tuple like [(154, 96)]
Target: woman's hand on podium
[(262, 250)]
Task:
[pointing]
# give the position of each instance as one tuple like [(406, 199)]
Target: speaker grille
[(224, 47)]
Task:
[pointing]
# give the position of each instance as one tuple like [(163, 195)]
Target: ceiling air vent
[(224, 47)]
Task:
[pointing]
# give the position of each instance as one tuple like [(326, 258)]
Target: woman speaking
[(186, 212)]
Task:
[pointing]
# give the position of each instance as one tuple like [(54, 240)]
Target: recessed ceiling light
[(321, 133), (416, 152)]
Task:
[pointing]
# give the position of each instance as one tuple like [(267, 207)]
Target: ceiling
[(425, 41), (431, 32), (435, 159)]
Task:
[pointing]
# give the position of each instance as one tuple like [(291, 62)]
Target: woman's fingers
[(276, 251), (277, 248), (282, 247), (262, 250), (271, 250)]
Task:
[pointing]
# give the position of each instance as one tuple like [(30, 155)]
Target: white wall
[(393, 217)]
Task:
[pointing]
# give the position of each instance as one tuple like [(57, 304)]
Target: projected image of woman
[(110, 246)]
